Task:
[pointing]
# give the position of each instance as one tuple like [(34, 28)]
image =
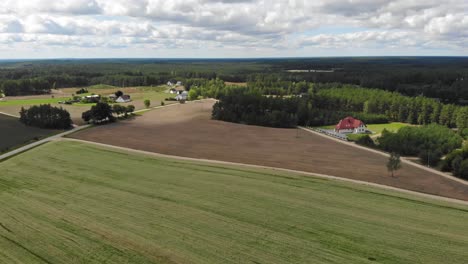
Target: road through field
[(188, 131)]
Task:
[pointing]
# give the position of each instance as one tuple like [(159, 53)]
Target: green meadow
[(70, 202)]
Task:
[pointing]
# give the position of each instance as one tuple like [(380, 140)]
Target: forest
[(442, 78)]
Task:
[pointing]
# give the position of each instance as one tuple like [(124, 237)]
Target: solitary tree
[(118, 93), (147, 103), (394, 163)]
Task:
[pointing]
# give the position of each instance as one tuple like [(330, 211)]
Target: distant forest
[(443, 78)]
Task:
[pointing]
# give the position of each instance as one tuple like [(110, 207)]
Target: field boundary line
[(403, 159), (305, 173), (3, 113)]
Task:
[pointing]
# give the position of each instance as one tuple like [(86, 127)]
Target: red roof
[(349, 123)]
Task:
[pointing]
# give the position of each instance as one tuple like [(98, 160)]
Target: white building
[(182, 96), (124, 99), (351, 125)]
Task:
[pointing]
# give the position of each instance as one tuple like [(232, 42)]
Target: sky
[(231, 29)]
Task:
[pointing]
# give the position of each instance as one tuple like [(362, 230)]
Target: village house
[(182, 96), (350, 125), (94, 98), (124, 99)]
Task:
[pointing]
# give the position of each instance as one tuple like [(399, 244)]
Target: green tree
[(101, 112), (463, 171), (394, 163), (147, 103), (462, 119)]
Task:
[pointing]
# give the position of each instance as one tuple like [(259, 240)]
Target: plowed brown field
[(187, 130)]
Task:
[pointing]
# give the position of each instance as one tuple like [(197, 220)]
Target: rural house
[(182, 96), (124, 99), (94, 98), (351, 125)]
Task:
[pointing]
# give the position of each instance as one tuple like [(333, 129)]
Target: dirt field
[(186, 130)]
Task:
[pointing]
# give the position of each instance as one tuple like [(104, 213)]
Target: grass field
[(27, 102), (68, 202), (392, 127), (156, 95), (378, 128), (14, 134)]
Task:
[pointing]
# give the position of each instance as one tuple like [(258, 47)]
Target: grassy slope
[(68, 202), (13, 133)]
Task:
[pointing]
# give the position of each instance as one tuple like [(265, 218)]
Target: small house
[(170, 83), (124, 99), (350, 125), (94, 98), (182, 96), (179, 83), (173, 91)]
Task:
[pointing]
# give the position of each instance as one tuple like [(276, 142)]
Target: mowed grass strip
[(69, 202)]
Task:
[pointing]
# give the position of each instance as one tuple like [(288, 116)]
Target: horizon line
[(231, 58)]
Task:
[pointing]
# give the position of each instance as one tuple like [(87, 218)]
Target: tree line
[(46, 116), (396, 107)]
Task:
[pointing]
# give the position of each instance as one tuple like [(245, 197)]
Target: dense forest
[(443, 78)]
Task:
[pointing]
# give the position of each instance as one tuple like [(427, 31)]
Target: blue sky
[(235, 28)]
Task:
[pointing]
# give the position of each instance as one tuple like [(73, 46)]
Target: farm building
[(173, 91), (94, 98), (351, 125), (182, 96), (124, 99)]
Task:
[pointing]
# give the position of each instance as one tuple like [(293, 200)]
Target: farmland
[(13, 133), (187, 130), (12, 105), (94, 207)]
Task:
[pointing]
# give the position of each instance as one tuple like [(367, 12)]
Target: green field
[(26, 102), (69, 202), (378, 128), (392, 127), (14, 134)]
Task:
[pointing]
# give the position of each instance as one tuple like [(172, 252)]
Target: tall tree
[(394, 163)]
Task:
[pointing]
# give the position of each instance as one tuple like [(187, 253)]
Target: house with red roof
[(351, 125)]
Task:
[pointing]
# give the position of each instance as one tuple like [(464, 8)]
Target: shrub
[(147, 103), (82, 91), (463, 170), (366, 140)]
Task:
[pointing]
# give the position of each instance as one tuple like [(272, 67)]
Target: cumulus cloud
[(278, 26)]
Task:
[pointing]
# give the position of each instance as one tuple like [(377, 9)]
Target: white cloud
[(275, 27)]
